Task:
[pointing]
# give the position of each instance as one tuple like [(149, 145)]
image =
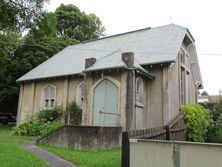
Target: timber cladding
[(84, 137)]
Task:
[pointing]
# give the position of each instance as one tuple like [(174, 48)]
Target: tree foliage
[(35, 51), (8, 93), (74, 23), (46, 26), (20, 14), (45, 35), (217, 111)]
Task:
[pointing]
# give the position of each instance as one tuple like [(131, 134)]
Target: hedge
[(198, 122)]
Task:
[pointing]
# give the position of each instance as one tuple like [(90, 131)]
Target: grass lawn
[(111, 158), (11, 152), (13, 155)]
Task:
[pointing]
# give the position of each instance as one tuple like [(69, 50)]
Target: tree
[(40, 44), (16, 16), (47, 34), (20, 14), (75, 24), (46, 26), (8, 86), (217, 111), (204, 93), (35, 51)]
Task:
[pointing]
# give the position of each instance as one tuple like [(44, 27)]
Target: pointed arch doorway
[(105, 104)]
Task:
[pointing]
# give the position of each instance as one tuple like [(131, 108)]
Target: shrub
[(49, 115), (28, 128), (198, 122), (74, 113), (45, 123), (215, 135), (217, 111), (36, 128), (73, 108)]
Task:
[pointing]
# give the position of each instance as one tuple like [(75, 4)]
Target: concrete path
[(52, 159)]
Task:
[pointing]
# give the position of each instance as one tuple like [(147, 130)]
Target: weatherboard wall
[(32, 99), (66, 91), (161, 95)]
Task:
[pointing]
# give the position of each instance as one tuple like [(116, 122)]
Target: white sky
[(202, 17)]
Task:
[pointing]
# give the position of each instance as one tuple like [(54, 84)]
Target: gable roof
[(150, 46)]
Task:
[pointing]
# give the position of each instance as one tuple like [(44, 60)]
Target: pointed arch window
[(49, 96), (80, 94), (139, 91), (184, 77)]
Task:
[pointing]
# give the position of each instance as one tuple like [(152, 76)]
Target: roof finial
[(171, 19)]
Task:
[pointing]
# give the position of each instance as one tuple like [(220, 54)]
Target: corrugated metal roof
[(150, 46)]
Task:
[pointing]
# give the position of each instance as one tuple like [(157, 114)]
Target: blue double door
[(105, 104)]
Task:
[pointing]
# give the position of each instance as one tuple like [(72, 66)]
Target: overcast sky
[(203, 18)]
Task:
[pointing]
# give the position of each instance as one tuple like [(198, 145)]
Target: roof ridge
[(119, 34), (129, 32)]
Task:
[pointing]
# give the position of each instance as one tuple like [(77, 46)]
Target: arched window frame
[(139, 91), (50, 101), (80, 94)]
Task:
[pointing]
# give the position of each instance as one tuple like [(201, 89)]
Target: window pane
[(80, 95), (137, 96), (182, 86), (182, 57), (139, 91), (52, 93), (82, 91), (46, 93), (49, 96), (137, 86), (52, 103), (46, 103)]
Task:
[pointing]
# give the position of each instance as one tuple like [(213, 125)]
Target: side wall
[(31, 95), (174, 89), (161, 97), (141, 110), (163, 93), (192, 88), (155, 98)]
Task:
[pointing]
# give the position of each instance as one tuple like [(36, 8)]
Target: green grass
[(110, 158), (11, 152), (5, 133), (13, 155)]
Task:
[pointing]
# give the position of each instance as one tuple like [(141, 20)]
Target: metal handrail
[(109, 113), (177, 118), (47, 124)]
